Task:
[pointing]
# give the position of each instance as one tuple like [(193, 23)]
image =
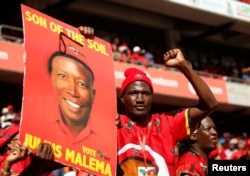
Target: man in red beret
[(146, 140)]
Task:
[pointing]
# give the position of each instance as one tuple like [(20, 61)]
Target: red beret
[(132, 75), (7, 133)]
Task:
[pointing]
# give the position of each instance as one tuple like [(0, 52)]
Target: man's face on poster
[(73, 84)]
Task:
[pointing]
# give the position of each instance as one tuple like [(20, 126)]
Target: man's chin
[(139, 116)]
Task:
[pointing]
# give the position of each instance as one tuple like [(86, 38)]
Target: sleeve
[(186, 169), (181, 125)]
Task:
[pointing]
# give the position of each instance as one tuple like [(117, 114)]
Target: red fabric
[(136, 57), (191, 164), (7, 133), (217, 153), (81, 173), (18, 167), (246, 1), (237, 155), (163, 131), (10, 107), (132, 75)]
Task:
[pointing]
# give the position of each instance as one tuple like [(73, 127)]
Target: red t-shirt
[(162, 132), (191, 164)]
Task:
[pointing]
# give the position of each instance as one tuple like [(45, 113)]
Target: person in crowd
[(4, 114), (10, 117), (115, 43), (235, 72), (17, 159), (125, 53), (246, 75), (137, 57), (149, 56), (225, 138), (232, 148), (145, 139), (246, 155), (175, 150), (193, 154), (218, 153), (241, 150)]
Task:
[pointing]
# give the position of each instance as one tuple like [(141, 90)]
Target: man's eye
[(208, 129), (146, 93), (132, 93), (82, 84), (62, 75)]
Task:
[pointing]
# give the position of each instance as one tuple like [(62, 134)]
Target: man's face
[(207, 137), (137, 99), (73, 84)]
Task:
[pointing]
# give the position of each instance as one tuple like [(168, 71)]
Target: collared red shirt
[(191, 164), (163, 131), (63, 135)]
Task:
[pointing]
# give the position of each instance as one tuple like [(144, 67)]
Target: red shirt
[(18, 167), (162, 132), (192, 164), (135, 57), (58, 133)]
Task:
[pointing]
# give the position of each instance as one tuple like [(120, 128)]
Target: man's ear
[(122, 100), (93, 93)]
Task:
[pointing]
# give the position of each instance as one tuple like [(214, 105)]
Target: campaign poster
[(69, 96)]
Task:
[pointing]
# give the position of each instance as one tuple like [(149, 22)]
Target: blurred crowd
[(146, 56), (229, 147), (9, 116), (149, 56), (232, 147)]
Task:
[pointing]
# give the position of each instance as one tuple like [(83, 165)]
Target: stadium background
[(202, 28)]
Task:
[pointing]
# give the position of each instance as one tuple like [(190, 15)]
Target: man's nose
[(213, 131), (139, 97), (72, 88)]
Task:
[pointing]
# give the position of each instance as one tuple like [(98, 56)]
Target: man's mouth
[(142, 107), (214, 139), (74, 105)]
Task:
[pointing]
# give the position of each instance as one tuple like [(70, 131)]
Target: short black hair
[(68, 56), (183, 146)]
